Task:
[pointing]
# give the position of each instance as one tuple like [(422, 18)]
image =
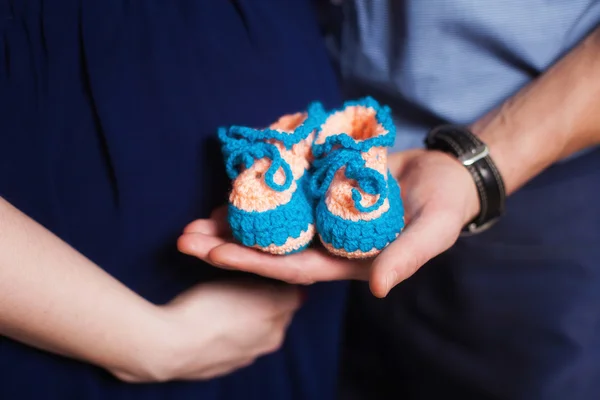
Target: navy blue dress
[(108, 113)]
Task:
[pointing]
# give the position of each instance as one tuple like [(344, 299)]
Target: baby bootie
[(359, 210), (269, 206)]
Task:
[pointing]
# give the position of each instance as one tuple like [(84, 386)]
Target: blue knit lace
[(342, 150), (241, 149), (369, 180), (242, 146)]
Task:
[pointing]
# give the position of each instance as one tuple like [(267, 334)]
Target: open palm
[(439, 198)]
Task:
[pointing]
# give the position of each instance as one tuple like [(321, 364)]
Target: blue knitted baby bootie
[(359, 210), (269, 205)]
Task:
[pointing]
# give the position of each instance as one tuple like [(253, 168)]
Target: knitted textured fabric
[(359, 209), (269, 207)]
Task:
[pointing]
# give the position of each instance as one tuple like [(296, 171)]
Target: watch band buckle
[(478, 153), (472, 228)]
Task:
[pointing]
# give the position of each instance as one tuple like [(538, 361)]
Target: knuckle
[(132, 378), (413, 262), (273, 308), (247, 362), (128, 378), (274, 302), (275, 341)]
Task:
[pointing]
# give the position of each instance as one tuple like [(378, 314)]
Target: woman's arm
[(53, 298)]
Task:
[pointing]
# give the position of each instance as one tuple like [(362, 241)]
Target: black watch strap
[(460, 142)]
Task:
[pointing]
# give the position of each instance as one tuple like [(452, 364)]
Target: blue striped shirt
[(439, 61)]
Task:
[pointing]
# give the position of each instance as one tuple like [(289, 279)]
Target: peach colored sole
[(291, 244), (352, 255)]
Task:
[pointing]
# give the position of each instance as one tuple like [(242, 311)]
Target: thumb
[(428, 235)]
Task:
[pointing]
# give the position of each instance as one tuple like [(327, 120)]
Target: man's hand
[(554, 116), (439, 198)]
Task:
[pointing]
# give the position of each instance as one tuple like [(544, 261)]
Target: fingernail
[(390, 281)]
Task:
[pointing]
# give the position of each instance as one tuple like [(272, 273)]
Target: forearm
[(552, 118), (53, 298)]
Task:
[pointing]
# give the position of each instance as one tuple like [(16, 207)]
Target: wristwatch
[(461, 143)]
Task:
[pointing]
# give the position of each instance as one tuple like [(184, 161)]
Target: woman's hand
[(439, 196), (216, 328), (53, 298)]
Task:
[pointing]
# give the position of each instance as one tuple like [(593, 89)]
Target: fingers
[(287, 299), (429, 234), (208, 227), (216, 225), (205, 239), (303, 268), (220, 369), (276, 337), (199, 244), (203, 235)]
